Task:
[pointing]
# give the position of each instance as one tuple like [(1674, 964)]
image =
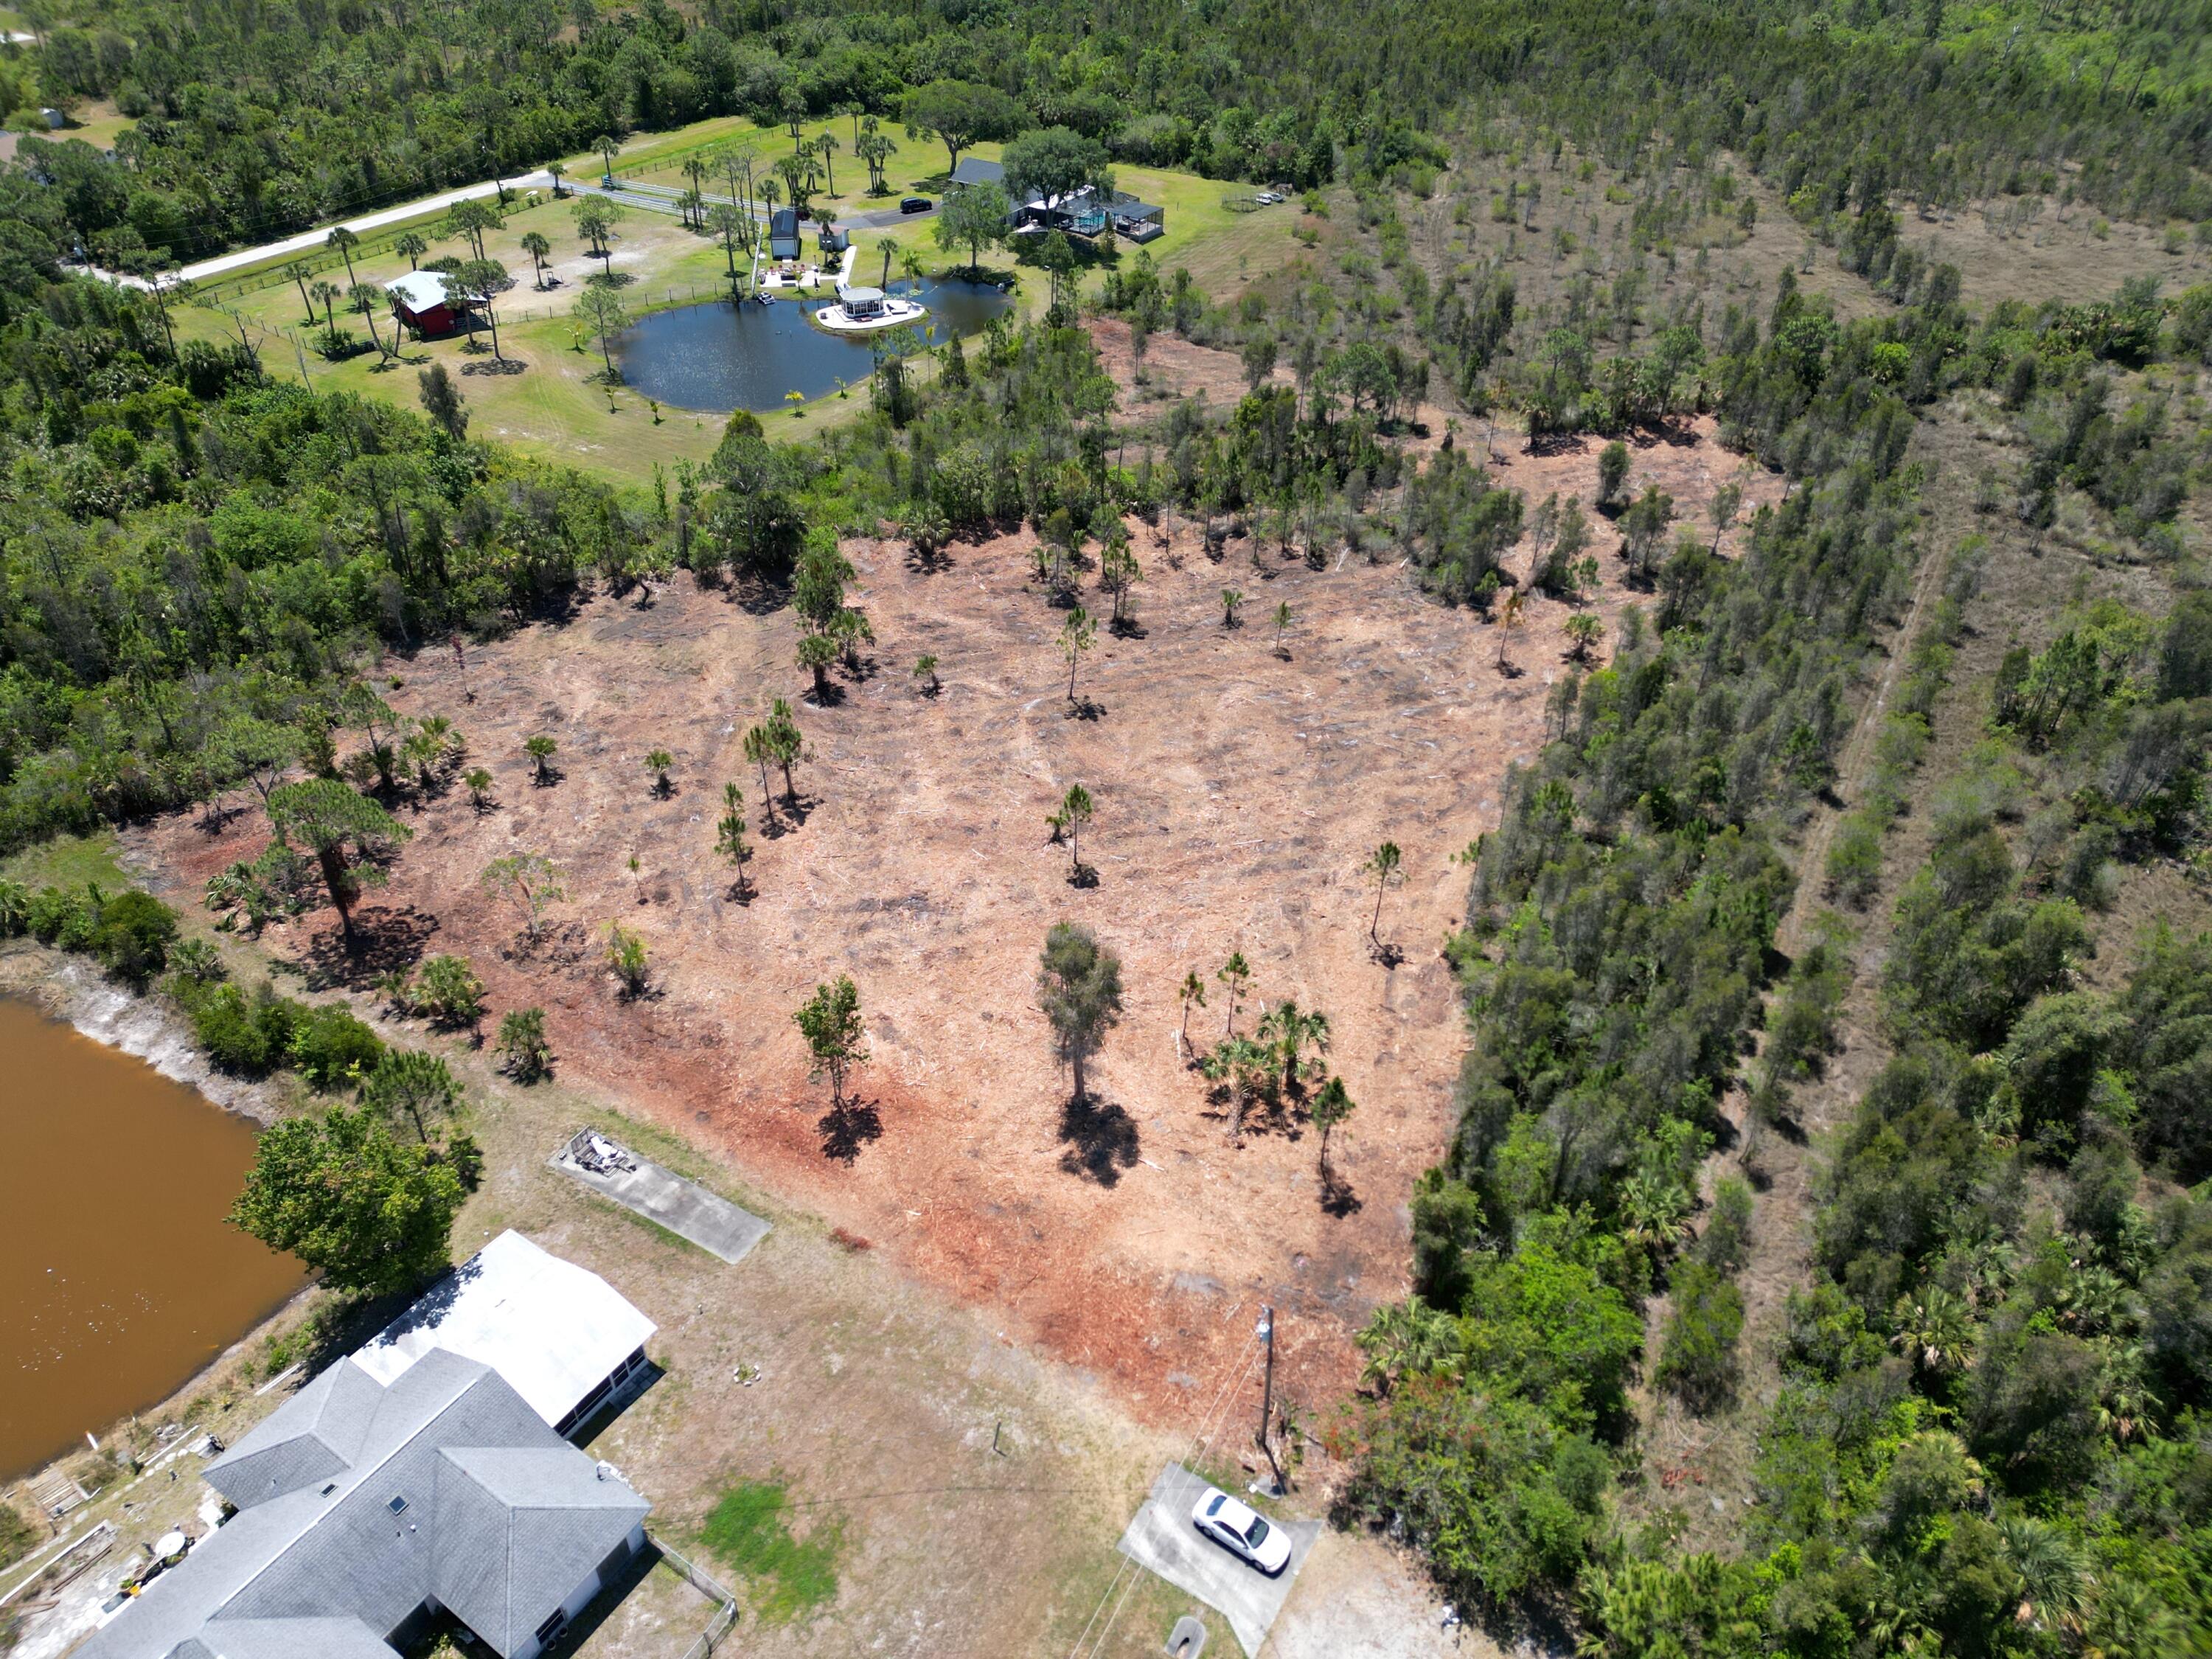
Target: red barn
[(424, 304)]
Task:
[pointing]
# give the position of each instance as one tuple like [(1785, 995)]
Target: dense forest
[(254, 119)]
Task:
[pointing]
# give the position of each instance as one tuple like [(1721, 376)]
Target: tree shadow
[(384, 940), (1083, 875), (1510, 671), (1086, 708), (546, 778), (848, 1126), (789, 812), (1102, 1139), (1557, 443), (933, 562), (1389, 956), (1337, 1197), (1129, 627), (214, 821), (827, 695)]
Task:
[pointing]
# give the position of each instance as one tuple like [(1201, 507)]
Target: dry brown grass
[(1237, 793)]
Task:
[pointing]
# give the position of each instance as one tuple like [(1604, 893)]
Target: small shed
[(425, 303), (834, 241), (783, 234)]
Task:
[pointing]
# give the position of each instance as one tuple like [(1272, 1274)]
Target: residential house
[(419, 1475), (973, 170)]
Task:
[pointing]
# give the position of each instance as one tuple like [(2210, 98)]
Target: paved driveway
[(1162, 1539), (684, 1208)]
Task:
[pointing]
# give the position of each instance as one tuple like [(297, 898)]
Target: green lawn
[(68, 861), (99, 123), (553, 408)]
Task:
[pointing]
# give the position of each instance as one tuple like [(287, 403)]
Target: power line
[(1208, 1425)]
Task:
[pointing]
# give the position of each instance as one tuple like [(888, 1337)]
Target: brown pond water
[(118, 1277)]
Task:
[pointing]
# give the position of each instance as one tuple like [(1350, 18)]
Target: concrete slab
[(1162, 1539), (662, 1196)]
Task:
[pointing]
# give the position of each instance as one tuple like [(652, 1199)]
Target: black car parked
[(915, 205)]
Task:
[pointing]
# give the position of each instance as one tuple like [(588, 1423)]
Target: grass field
[(553, 407)]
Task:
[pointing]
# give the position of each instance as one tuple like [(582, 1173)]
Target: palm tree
[(793, 171), (326, 293), (557, 171), (535, 245), (1407, 1339), (911, 267), (827, 146), (1243, 1065), (606, 146), (299, 272), (2127, 1407), (1290, 1033), (363, 297), (2053, 1570), (413, 247), (890, 246), (1934, 1329), (1655, 1212), (345, 241)]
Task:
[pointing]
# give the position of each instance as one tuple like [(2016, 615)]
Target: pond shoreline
[(71, 989)]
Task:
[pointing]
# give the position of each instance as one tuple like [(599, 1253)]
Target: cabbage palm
[(1934, 1330), (1291, 1032)]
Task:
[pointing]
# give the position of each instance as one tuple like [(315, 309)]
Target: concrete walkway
[(1161, 1538), (686, 1208)]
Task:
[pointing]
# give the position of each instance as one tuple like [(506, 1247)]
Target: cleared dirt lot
[(1237, 793)]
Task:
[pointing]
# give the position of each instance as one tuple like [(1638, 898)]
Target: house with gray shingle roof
[(367, 1503), (974, 170)]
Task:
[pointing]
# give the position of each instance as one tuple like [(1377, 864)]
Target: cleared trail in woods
[(1711, 1458)]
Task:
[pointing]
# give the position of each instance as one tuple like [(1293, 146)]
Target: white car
[(1238, 1530)]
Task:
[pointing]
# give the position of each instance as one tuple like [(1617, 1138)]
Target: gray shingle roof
[(311, 1437), (291, 1638), (335, 1548), (538, 1522), (973, 170)]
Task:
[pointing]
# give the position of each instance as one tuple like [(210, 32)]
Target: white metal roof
[(552, 1330), (419, 290)]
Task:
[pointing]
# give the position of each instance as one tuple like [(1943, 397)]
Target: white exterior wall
[(530, 1647)]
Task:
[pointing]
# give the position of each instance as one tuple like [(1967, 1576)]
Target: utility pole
[(1266, 1333)]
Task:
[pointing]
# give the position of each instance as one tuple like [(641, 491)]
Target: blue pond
[(718, 357)]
